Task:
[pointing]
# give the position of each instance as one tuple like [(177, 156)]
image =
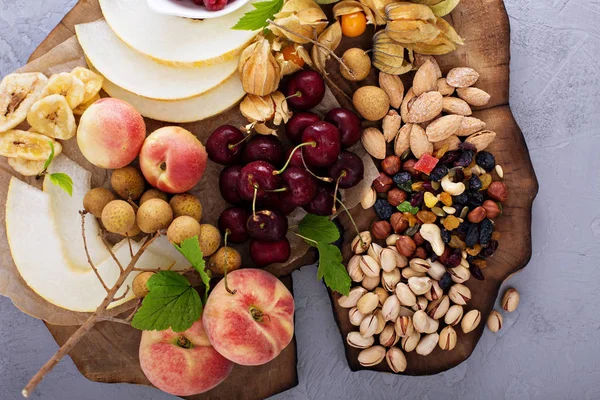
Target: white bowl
[(187, 8)]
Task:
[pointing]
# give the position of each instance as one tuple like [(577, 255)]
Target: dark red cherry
[(296, 160), (350, 166), (296, 125), (348, 123), (283, 205), (228, 184), (265, 148), (301, 186), (234, 219), (265, 253), (309, 86), (267, 226), (328, 146), (225, 145), (322, 203), (257, 174)]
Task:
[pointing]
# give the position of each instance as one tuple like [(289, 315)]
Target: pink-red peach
[(182, 364), (111, 133), (172, 159), (253, 325)]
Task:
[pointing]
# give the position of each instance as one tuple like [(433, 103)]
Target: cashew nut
[(433, 235), (452, 188)]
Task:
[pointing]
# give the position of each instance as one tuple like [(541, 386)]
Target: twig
[(87, 253), (129, 243), (89, 323), (137, 307), (183, 271), (123, 295), (118, 320), (112, 254)]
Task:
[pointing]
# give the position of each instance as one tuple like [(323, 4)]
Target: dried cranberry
[(486, 227), (460, 199), (438, 173), (485, 160), (446, 281), (475, 183), (416, 199), (466, 157), (476, 272), (472, 235), (454, 260), (429, 188), (449, 158)]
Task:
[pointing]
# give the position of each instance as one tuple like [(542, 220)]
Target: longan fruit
[(118, 216), (225, 257), (371, 102), (153, 194), (133, 231), (154, 215), (209, 239), (140, 284), (182, 228), (186, 204), (96, 199), (359, 63), (128, 182)]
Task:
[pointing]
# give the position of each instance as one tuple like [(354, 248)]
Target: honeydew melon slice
[(143, 76), (164, 248), (175, 40)]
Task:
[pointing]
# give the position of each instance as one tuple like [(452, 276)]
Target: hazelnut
[(498, 191), (391, 165), (492, 210), (406, 246), (399, 223), (409, 166), (381, 230), (382, 183), (477, 215), (418, 240), (396, 197), (420, 253)]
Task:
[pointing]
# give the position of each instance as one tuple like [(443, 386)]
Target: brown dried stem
[(112, 254), (137, 307), (121, 297), (118, 320), (87, 253)]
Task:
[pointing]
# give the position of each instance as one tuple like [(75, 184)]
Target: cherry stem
[(231, 146), (297, 94), (337, 185), (362, 242), (316, 43), (254, 201), (321, 178), (283, 189), (287, 163), (227, 233)]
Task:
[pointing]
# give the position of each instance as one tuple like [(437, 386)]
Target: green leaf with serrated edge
[(190, 249), (332, 270), (319, 229), (257, 18), (63, 181), (50, 157), (171, 302)]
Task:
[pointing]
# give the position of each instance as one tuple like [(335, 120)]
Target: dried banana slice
[(52, 116), (92, 81), (26, 167), (18, 92), (80, 109), (67, 85), (28, 145)]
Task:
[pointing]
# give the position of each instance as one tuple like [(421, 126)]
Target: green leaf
[(332, 270), (406, 207), (190, 249), (319, 229), (63, 181), (50, 157), (257, 18), (171, 302)]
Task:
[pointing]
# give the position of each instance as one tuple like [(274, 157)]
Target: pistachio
[(423, 323), (494, 321), (436, 269), (369, 266), (482, 139), (459, 274), (419, 142), (448, 338), (452, 188), (368, 326), (510, 300), (438, 308), (350, 301), (382, 295), (370, 282), (420, 285), (435, 292), (361, 242), (461, 77), (425, 108), (409, 343), (374, 142), (408, 273), (433, 235), (391, 240), (391, 308), (388, 259), (474, 96), (355, 316), (367, 303), (405, 312), (380, 321), (405, 295), (425, 79), (410, 94), (356, 340), (392, 85), (391, 125), (469, 126), (452, 105), (444, 88), (396, 360), (443, 127), (388, 337), (404, 326), (421, 303), (470, 321), (459, 294), (354, 270), (453, 315), (419, 265), (375, 252), (427, 344), (402, 141), (369, 198), (389, 280), (371, 356)]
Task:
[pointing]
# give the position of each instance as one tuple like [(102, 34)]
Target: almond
[(444, 127), (474, 96), (425, 79), (404, 107), (374, 142), (462, 77), (453, 105), (482, 139), (444, 88), (402, 142), (453, 142), (392, 85), (419, 144), (426, 107), (421, 59), (391, 125), (469, 126)]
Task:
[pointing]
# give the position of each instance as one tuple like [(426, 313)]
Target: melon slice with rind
[(143, 76), (175, 40)]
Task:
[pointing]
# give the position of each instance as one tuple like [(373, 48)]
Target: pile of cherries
[(264, 183)]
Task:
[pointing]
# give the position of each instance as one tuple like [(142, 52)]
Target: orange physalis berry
[(354, 25)]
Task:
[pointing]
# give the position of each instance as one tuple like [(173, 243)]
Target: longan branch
[(87, 253), (117, 320), (121, 297), (112, 254)]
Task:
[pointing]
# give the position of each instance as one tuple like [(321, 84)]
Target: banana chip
[(68, 86), (92, 81), (52, 116), (27, 145), (80, 109), (26, 167), (18, 92)]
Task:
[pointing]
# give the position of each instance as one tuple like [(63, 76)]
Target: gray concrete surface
[(548, 349)]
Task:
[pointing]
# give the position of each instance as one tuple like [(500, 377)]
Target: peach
[(182, 364), (253, 325), (172, 159), (111, 133)]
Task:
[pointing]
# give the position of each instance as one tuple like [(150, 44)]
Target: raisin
[(416, 199), (438, 173), (485, 160), (401, 178), (486, 227), (460, 199), (470, 258), (445, 236), (475, 183), (472, 237), (429, 188), (490, 249), (476, 198), (476, 272), (467, 146), (465, 158), (449, 158), (383, 209), (446, 281), (463, 228)]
